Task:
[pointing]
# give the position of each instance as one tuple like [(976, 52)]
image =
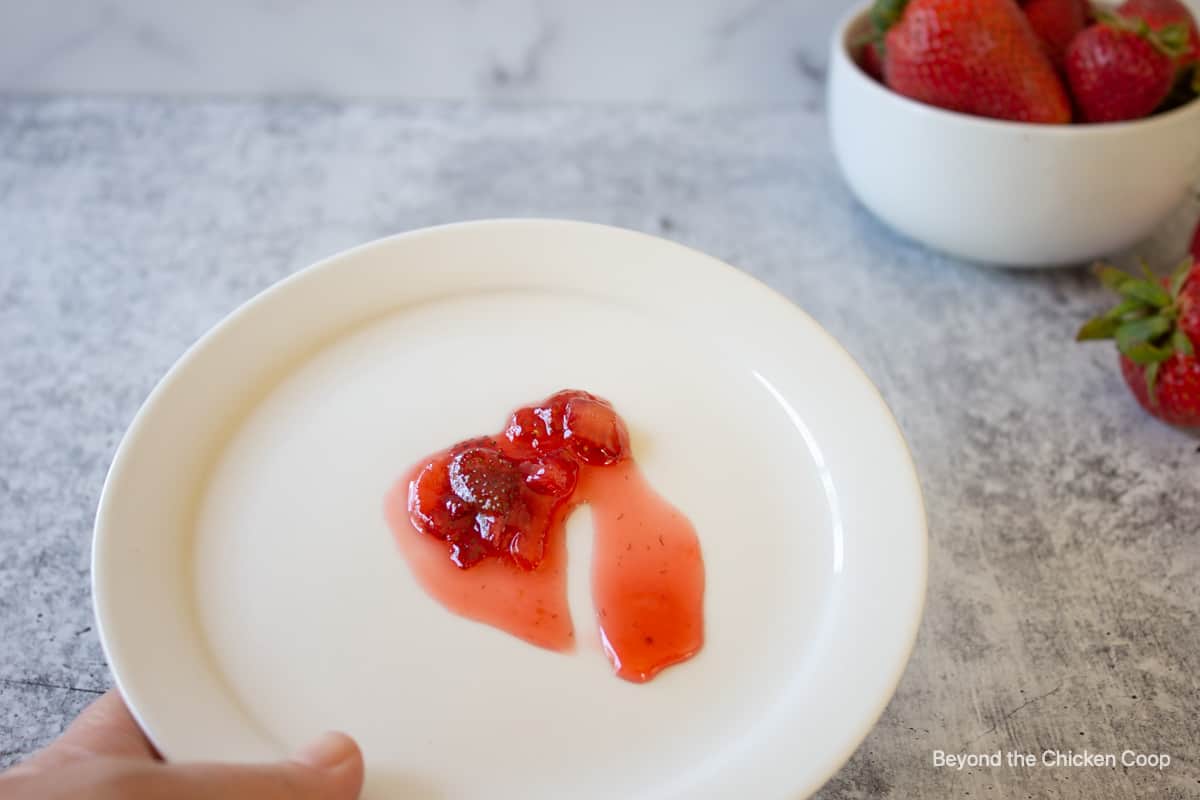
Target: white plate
[(250, 595)]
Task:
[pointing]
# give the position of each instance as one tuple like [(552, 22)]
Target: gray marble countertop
[(682, 53), (1065, 560), (693, 53)]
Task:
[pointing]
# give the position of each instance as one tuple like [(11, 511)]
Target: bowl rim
[(857, 15)]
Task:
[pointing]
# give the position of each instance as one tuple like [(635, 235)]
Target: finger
[(329, 769), (105, 728)]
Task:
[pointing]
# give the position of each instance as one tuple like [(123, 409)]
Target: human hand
[(104, 756)]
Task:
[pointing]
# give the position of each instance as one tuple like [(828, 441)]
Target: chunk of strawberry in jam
[(528, 548), (497, 497), (467, 551), (491, 528), (593, 432), (507, 498), (535, 429), (484, 477), (436, 511), (427, 496), (552, 475)]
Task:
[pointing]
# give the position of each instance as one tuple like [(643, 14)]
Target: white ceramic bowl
[(1005, 193), (250, 593)]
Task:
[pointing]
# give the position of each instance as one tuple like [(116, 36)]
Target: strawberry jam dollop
[(482, 527)]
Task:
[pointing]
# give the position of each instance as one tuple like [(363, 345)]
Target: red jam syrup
[(482, 527)]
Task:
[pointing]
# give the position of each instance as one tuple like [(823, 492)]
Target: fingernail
[(328, 751)]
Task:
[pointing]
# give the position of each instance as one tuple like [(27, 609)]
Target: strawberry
[(436, 511), (535, 430), (1056, 22), (1157, 328), (1161, 15), (1119, 69), (482, 476), (974, 56), (553, 474), (593, 431), (870, 58)]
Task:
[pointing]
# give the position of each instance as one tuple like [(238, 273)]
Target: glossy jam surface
[(482, 527)]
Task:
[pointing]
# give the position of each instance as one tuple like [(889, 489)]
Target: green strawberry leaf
[(1181, 344), (1179, 277), (1151, 383), (1126, 308), (1142, 330), (886, 13), (1144, 354), (1146, 291), (1172, 39), (1111, 277), (1098, 328)]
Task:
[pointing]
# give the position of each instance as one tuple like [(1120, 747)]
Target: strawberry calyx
[(1145, 322), (884, 14), (1170, 40)]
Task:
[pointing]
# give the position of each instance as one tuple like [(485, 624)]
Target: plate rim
[(919, 581)]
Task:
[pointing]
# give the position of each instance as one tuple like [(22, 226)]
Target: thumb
[(331, 768)]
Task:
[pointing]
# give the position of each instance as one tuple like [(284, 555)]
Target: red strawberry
[(1119, 69), (1157, 328), (482, 476), (436, 511), (594, 432), (1160, 15), (1056, 22), (871, 60), (1178, 389), (535, 429), (553, 474), (975, 56)]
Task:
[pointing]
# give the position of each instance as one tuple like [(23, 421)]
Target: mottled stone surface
[(1065, 524)]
